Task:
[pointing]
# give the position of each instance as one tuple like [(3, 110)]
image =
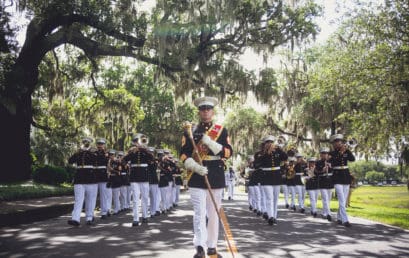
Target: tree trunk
[(15, 141)]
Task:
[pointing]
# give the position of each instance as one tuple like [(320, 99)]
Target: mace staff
[(220, 212)]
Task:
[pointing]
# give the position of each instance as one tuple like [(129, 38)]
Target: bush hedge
[(52, 175)]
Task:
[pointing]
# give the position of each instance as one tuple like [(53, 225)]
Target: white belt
[(299, 174), (325, 175), (100, 167), (139, 165), (123, 173), (340, 167), (209, 157), (85, 166), (271, 169)]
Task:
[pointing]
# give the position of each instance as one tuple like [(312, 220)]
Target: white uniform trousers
[(153, 198), (285, 193), (326, 198), (123, 196), (342, 195), (128, 196), (257, 197), (263, 207), (250, 196), (103, 197), (87, 192), (202, 206), (109, 199), (230, 189), (164, 198), (116, 192), (140, 189), (272, 192), (176, 194), (171, 194), (313, 194), (292, 191), (301, 195)]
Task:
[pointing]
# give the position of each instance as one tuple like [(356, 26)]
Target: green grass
[(386, 204), (28, 190)]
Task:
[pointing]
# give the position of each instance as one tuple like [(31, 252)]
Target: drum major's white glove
[(191, 164), (214, 146)]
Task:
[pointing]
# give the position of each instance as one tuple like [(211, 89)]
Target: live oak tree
[(189, 41)]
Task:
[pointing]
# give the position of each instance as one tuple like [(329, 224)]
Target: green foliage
[(374, 176), (51, 175), (29, 190), (360, 169)]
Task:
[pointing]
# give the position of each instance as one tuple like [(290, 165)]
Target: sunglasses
[(205, 107)]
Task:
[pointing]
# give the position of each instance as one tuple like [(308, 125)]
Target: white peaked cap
[(209, 101)]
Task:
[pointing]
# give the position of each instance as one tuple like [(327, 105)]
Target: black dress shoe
[(157, 213), (89, 223), (339, 222), (73, 222), (271, 221), (135, 223), (286, 205), (265, 215), (255, 211), (293, 208), (250, 208), (314, 214), (144, 220), (259, 213), (329, 218), (347, 224), (152, 216), (275, 221), (104, 216), (199, 252), (302, 210)]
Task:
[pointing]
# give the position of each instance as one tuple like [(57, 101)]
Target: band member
[(124, 196), (102, 177), (300, 172), (341, 177), (230, 183), (177, 178), (249, 177), (269, 159), (139, 158), (153, 186), (290, 181), (325, 185), (213, 146), (114, 179), (165, 177), (85, 186), (311, 185)]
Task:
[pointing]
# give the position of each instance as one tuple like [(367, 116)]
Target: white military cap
[(159, 151), (87, 139), (111, 152), (205, 101), (324, 150), (298, 155), (137, 136), (166, 151), (120, 153), (269, 138), (151, 149), (312, 159), (336, 137), (101, 141), (292, 159)]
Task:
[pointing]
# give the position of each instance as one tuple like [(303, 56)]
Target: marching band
[(151, 178)]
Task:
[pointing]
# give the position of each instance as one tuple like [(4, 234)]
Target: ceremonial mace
[(220, 212)]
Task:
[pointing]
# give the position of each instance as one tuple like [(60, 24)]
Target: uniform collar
[(206, 125)]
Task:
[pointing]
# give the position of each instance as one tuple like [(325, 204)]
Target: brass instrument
[(351, 143), (290, 171), (281, 141)]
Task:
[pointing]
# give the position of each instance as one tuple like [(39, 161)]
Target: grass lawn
[(385, 204), (28, 190)]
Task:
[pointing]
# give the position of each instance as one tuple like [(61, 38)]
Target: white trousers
[(140, 189), (116, 192), (326, 198), (153, 198), (285, 192), (313, 194), (109, 199), (87, 192), (123, 197), (272, 192), (230, 189), (292, 191), (250, 196), (263, 207), (176, 194), (301, 195), (165, 193), (342, 194), (202, 206), (103, 197)]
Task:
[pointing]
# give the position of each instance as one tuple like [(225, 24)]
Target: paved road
[(296, 235)]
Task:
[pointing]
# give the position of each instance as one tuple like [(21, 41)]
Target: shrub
[(51, 175)]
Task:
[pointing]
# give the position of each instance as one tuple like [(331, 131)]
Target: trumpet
[(281, 141), (351, 143), (142, 139)]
